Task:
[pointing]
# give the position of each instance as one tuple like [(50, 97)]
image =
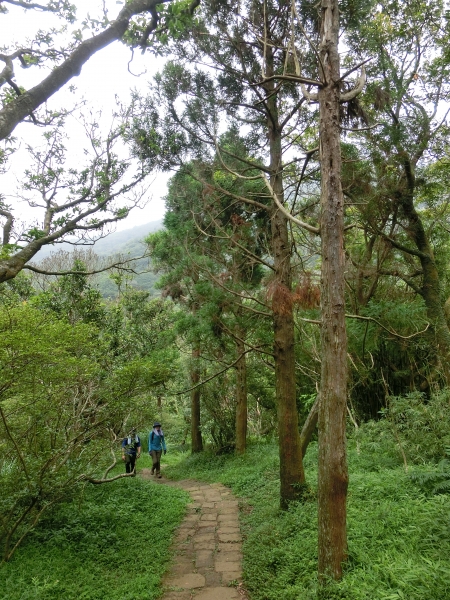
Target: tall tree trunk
[(430, 289), (333, 473), (292, 476), (196, 433), (241, 399)]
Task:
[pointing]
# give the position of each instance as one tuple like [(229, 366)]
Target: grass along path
[(114, 544)]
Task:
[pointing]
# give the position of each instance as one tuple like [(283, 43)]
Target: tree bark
[(430, 289), (309, 425), (196, 433), (292, 476), (241, 399), (333, 473)]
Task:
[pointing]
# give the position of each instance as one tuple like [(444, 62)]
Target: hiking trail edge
[(207, 549)]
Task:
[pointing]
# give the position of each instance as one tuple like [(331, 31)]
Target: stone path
[(207, 548)]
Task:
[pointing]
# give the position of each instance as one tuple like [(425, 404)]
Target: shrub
[(411, 429)]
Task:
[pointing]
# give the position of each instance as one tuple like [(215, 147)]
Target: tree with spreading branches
[(76, 205)]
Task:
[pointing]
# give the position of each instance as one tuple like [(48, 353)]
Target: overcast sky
[(104, 77)]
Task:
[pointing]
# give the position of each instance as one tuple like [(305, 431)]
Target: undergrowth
[(113, 544), (399, 537)]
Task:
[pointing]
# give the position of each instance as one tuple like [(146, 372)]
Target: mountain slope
[(128, 242)]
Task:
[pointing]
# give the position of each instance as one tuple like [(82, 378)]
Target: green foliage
[(73, 298), (112, 544), (67, 388), (54, 415), (19, 289), (412, 429), (399, 539), (382, 363), (436, 481)]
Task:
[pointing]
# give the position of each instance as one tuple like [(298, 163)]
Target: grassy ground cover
[(113, 545), (399, 538)]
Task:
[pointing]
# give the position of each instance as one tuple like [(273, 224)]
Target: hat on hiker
[(157, 424)]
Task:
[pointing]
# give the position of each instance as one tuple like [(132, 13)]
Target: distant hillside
[(128, 241), (118, 242)]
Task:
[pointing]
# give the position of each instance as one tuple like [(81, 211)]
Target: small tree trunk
[(333, 473), (292, 475), (309, 425), (196, 433), (241, 399)]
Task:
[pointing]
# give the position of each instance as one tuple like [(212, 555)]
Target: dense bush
[(412, 430)]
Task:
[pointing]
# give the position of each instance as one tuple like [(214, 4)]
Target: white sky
[(103, 77)]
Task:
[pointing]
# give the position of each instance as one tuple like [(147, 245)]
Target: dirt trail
[(207, 548)]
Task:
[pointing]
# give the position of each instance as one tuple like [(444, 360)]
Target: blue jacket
[(156, 442)]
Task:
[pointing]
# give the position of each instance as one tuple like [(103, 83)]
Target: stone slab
[(228, 530), (204, 559), (207, 527), (229, 557), (204, 546), (227, 548), (212, 578), (179, 570), (205, 537), (209, 523), (229, 510), (189, 581), (193, 518), (223, 566), (209, 517), (230, 576), (228, 518), (229, 537), (177, 595), (184, 534), (218, 593)]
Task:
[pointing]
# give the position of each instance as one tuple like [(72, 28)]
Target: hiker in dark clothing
[(156, 446), (131, 450)]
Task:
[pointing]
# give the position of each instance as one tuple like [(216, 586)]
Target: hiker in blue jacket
[(156, 446)]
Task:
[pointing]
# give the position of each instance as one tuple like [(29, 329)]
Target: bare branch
[(14, 112), (7, 226), (359, 86), (117, 265), (286, 213), (402, 337), (109, 479), (32, 5), (227, 368)]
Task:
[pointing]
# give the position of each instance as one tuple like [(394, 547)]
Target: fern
[(436, 482)]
